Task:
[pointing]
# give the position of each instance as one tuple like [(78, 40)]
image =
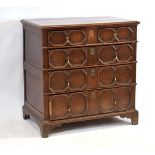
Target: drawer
[(91, 102), (89, 78), (84, 36), (116, 34), (88, 56)]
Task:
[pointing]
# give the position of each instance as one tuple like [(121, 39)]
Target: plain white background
[(103, 137)]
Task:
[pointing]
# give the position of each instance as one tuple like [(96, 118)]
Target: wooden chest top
[(78, 21)]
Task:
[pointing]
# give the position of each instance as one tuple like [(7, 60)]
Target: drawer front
[(87, 35), (118, 34), (67, 37), (91, 102), (88, 78), (88, 56)]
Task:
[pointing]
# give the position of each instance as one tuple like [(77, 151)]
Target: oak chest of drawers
[(78, 69)]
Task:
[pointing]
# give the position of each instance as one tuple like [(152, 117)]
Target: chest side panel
[(33, 48)]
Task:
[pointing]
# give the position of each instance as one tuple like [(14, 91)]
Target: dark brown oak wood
[(78, 69)]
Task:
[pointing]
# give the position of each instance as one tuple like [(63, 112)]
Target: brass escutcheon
[(91, 33), (93, 95), (93, 72), (92, 51)]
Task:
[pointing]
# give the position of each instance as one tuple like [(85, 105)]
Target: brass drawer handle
[(92, 72), (115, 35), (115, 102), (68, 62), (93, 95), (69, 109), (92, 51), (68, 84), (116, 58), (67, 39)]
